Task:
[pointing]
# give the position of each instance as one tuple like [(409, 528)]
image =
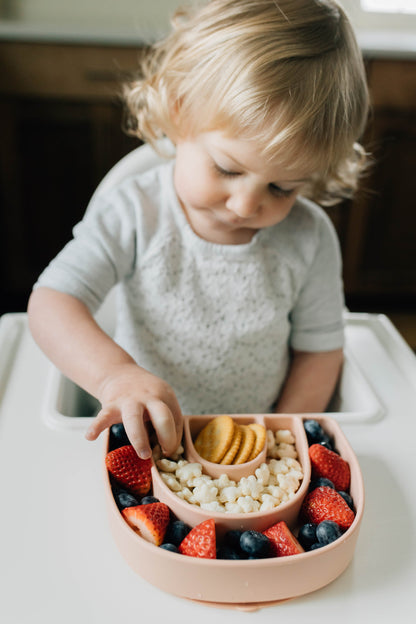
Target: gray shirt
[(214, 321)]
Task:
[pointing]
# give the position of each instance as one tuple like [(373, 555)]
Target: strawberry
[(150, 521), (328, 464), (129, 470), (200, 541), (324, 503), (283, 542)]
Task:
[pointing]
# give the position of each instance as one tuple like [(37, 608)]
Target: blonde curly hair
[(287, 73)]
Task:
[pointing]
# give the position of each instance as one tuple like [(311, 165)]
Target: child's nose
[(245, 203)]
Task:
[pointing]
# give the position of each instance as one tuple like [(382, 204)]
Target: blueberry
[(231, 545), (255, 544), (327, 531), (307, 535), (232, 538), (118, 435), (316, 434), (227, 552), (146, 500), (347, 499), (319, 482), (170, 547), (315, 546), (176, 532), (125, 499)]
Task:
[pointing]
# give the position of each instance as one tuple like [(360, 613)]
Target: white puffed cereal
[(284, 435), (277, 492), (172, 483), (285, 450), (293, 464), (233, 508), (213, 506), (247, 504), (270, 441), (178, 453), (288, 482), (223, 481), (263, 474), (197, 481), (278, 467), (166, 465), (268, 502), (185, 493), (205, 493), (188, 471), (274, 481), (249, 486), (229, 494)]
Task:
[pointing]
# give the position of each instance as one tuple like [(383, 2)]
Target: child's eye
[(277, 191), (225, 172)]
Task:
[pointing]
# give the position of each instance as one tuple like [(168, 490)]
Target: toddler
[(228, 274)]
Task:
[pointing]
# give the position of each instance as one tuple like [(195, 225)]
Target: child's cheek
[(197, 190)]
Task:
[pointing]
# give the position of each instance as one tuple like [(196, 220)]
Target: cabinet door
[(53, 154), (380, 249), (61, 131)]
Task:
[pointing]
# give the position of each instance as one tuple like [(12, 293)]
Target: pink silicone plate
[(259, 521), (248, 584)]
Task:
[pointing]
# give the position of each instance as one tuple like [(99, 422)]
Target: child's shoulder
[(308, 210), (135, 196), (140, 204), (302, 233), (137, 185), (308, 218)]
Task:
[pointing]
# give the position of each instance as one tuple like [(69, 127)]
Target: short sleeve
[(317, 317), (101, 253)]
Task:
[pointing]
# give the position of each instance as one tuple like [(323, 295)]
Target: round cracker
[(214, 440), (260, 432), (246, 444), (233, 450)]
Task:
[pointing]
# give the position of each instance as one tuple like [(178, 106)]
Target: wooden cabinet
[(379, 233), (61, 131)]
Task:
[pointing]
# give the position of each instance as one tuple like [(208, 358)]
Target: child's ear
[(174, 132)]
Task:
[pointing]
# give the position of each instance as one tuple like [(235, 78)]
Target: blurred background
[(61, 66)]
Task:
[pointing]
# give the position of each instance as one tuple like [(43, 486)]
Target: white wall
[(366, 21), (154, 13)]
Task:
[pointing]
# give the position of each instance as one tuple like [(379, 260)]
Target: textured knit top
[(214, 321)]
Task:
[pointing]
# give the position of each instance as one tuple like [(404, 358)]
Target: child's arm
[(66, 331), (310, 382)]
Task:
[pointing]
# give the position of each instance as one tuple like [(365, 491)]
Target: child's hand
[(133, 396)]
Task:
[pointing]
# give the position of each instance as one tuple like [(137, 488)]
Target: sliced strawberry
[(129, 470), (200, 541), (150, 521), (283, 542), (328, 464), (324, 503)]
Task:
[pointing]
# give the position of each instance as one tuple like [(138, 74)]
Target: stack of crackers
[(223, 441)]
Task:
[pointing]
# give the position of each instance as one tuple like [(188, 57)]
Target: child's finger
[(105, 418), (133, 419), (164, 424)]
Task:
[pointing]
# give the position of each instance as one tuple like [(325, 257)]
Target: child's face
[(229, 190)]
